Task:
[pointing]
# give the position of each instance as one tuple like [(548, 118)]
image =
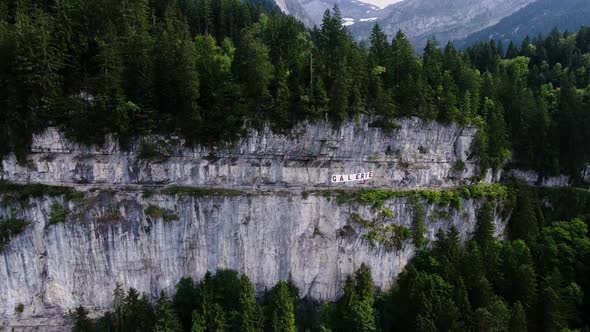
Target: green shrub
[(392, 236), (149, 151), (19, 309), (157, 212), (147, 193), (169, 216), (387, 125), (58, 214), (459, 166), (441, 215), (9, 228)]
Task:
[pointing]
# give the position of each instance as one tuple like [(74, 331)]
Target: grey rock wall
[(108, 239), (272, 231), (419, 154)]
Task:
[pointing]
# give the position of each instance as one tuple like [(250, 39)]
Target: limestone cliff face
[(283, 222), (110, 238), (418, 154)]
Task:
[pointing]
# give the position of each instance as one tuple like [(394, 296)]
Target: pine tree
[(518, 320), (166, 319), (484, 229), (282, 309), (185, 301), (407, 80), (523, 222), (250, 320), (217, 321), (81, 321), (364, 315), (364, 286), (176, 75), (199, 323), (380, 48), (137, 45), (282, 96), (119, 306), (36, 84)]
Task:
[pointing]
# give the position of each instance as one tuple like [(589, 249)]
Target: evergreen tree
[(81, 321), (217, 320), (185, 301), (119, 307), (484, 230), (176, 75), (166, 319), (518, 321), (199, 323), (138, 314), (282, 309), (523, 222), (250, 320), (255, 70), (36, 84), (407, 76)]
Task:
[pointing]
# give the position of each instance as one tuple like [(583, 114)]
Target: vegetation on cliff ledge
[(451, 196)]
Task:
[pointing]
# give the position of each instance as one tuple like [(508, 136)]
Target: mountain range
[(539, 17), (460, 21)]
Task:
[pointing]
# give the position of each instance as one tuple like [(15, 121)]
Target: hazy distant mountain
[(311, 12), (419, 19), (444, 19), (539, 17)]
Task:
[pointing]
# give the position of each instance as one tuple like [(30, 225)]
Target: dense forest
[(536, 280), (211, 69)]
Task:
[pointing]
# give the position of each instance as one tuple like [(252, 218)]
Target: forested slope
[(209, 69)]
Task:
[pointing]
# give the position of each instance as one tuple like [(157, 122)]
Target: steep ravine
[(273, 214)]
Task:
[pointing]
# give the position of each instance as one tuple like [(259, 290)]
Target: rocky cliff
[(264, 207), (417, 155)]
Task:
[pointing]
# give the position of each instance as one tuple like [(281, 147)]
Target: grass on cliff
[(390, 236), (157, 212), (200, 192), (22, 192), (453, 196)]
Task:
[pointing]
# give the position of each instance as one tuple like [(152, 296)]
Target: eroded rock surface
[(419, 154)]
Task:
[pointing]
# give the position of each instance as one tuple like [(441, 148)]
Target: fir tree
[(282, 309), (250, 320), (166, 319), (81, 321)]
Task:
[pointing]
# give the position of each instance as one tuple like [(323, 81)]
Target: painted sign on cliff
[(337, 178)]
